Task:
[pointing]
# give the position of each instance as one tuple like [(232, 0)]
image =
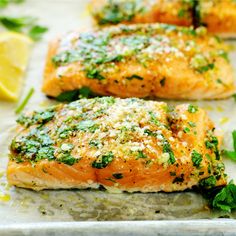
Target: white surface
[(27, 206)]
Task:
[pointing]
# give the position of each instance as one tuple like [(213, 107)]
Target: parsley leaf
[(232, 154), (17, 23), (141, 155), (104, 161), (25, 24), (5, 3), (196, 158), (37, 31), (192, 108), (69, 96), (134, 76), (225, 200), (234, 96)]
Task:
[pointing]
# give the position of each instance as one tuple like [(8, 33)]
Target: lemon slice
[(14, 57)]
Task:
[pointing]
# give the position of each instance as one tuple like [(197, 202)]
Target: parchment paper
[(19, 205)]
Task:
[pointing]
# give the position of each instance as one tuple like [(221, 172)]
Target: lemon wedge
[(14, 57)]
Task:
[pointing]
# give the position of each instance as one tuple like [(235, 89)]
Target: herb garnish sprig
[(24, 24), (231, 154)]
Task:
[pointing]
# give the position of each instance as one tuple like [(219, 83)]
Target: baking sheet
[(24, 206)]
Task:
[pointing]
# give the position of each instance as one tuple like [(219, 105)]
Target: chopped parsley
[(95, 74), (134, 77), (65, 156), (192, 108), (186, 130), (232, 154), (223, 54), (38, 117), (103, 161), (115, 11), (141, 155), (150, 133), (87, 125), (67, 159), (212, 143), (94, 143), (73, 95), (192, 124), (201, 64), (34, 146), (153, 119), (117, 175), (196, 158), (208, 182), (166, 148)]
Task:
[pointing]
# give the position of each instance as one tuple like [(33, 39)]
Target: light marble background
[(26, 206)]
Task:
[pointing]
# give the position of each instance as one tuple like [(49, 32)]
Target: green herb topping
[(40, 117), (103, 161), (192, 108), (196, 158)]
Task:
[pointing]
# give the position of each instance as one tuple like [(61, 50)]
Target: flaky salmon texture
[(120, 144), (147, 60)]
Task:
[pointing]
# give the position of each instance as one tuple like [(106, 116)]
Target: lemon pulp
[(14, 57)]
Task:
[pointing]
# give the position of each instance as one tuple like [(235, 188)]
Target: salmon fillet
[(175, 12), (218, 15), (138, 61), (121, 144)]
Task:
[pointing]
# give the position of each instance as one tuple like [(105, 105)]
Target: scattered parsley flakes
[(196, 158), (192, 124), (153, 119), (167, 149), (141, 155), (192, 108), (134, 77), (103, 161), (69, 96), (117, 175), (186, 130), (87, 125), (209, 182)]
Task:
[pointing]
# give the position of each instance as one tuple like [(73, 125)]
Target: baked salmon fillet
[(177, 12), (120, 144), (219, 16), (143, 60)]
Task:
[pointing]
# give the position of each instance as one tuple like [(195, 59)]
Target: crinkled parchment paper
[(20, 205)]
